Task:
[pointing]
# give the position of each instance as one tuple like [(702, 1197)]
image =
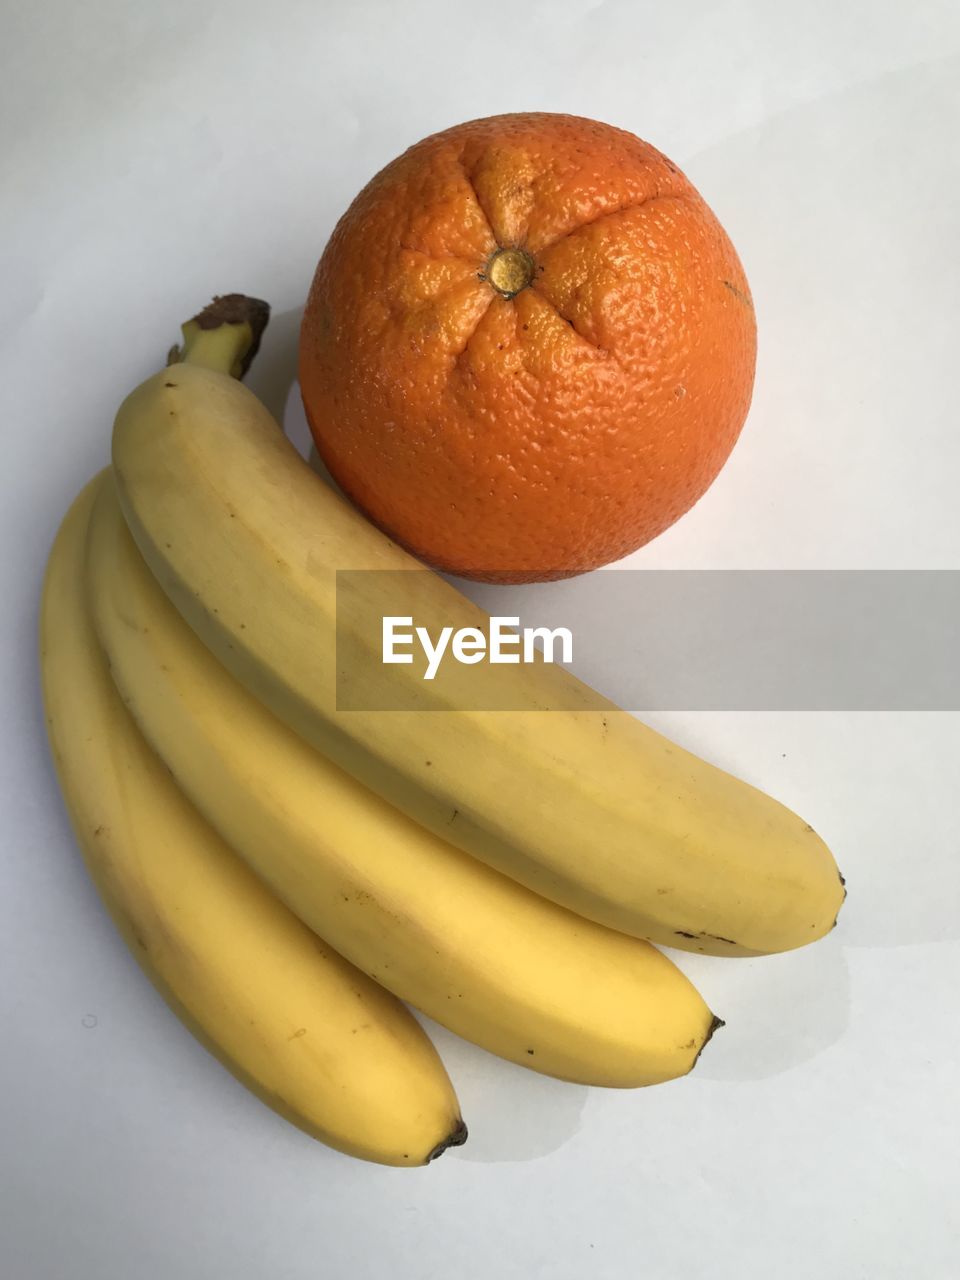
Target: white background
[(155, 154)]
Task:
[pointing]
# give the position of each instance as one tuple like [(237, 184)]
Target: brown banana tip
[(836, 919), (237, 308), (715, 1025), (456, 1139)]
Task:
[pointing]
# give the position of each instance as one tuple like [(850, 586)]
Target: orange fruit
[(528, 348)]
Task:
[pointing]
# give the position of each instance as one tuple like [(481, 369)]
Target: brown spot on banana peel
[(457, 1138), (714, 937)]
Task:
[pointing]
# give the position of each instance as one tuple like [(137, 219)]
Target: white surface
[(155, 154)]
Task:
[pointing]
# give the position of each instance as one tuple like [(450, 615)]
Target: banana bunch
[(233, 817), (314, 1037)]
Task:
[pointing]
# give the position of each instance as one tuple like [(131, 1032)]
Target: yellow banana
[(494, 962), (591, 809), (316, 1039)]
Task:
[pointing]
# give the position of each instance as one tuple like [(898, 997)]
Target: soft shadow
[(274, 370), (513, 1115), (780, 1011)]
